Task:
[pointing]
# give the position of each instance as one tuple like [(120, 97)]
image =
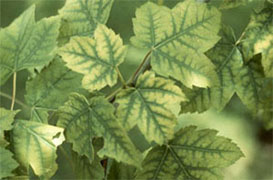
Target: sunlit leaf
[(177, 39), (192, 154), (97, 58), (84, 120), (148, 106), (35, 145), (27, 44), (81, 17), (258, 38)]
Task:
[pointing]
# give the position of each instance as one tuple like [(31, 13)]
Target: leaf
[(27, 44), (35, 144), (258, 38), (84, 120), (6, 120), (121, 171), (86, 170), (227, 4), (228, 59), (97, 58), (192, 154), (148, 106), (7, 163), (177, 39), (81, 17), (50, 89)]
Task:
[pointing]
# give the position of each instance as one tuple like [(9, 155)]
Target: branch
[(13, 91)]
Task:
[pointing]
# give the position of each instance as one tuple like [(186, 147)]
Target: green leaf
[(121, 171), (50, 89), (7, 163), (192, 154), (177, 39), (35, 145), (84, 120), (27, 44), (258, 38), (227, 4), (86, 170), (97, 58), (6, 120), (81, 17), (148, 106)]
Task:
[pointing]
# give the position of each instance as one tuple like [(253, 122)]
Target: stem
[(121, 77), (13, 91), (140, 67), (16, 100), (134, 77)]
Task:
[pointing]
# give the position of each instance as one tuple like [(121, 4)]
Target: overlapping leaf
[(258, 38), (35, 145), (6, 120), (97, 58), (177, 39), (27, 44), (50, 89), (148, 106), (81, 17), (84, 120), (7, 163), (234, 76), (228, 60), (192, 154)]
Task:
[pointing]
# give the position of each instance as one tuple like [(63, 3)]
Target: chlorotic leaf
[(148, 106), (177, 39), (228, 61), (35, 145), (84, 120), (258, 38), (7, 163), (97, 58), (192, 154), (81, 17), (27, 44), (54, 82), (6, 120)]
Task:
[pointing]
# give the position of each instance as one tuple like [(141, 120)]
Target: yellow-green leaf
[(148, 106), (177, 39), (84, 120), (27, 44), (35, 145), (97, 58), (81, 17), (6, 120), (192, 154)]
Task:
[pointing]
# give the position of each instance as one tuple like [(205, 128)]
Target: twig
[(16, 100), (13, 91)]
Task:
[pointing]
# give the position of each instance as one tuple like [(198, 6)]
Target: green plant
[(193, 62)]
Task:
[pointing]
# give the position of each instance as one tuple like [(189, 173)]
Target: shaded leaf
[(35, 145), (148, 106), (97, 58), (7, 163), (84, 120), (50, 89), (6, 120), (27, 44), (192, 154)]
